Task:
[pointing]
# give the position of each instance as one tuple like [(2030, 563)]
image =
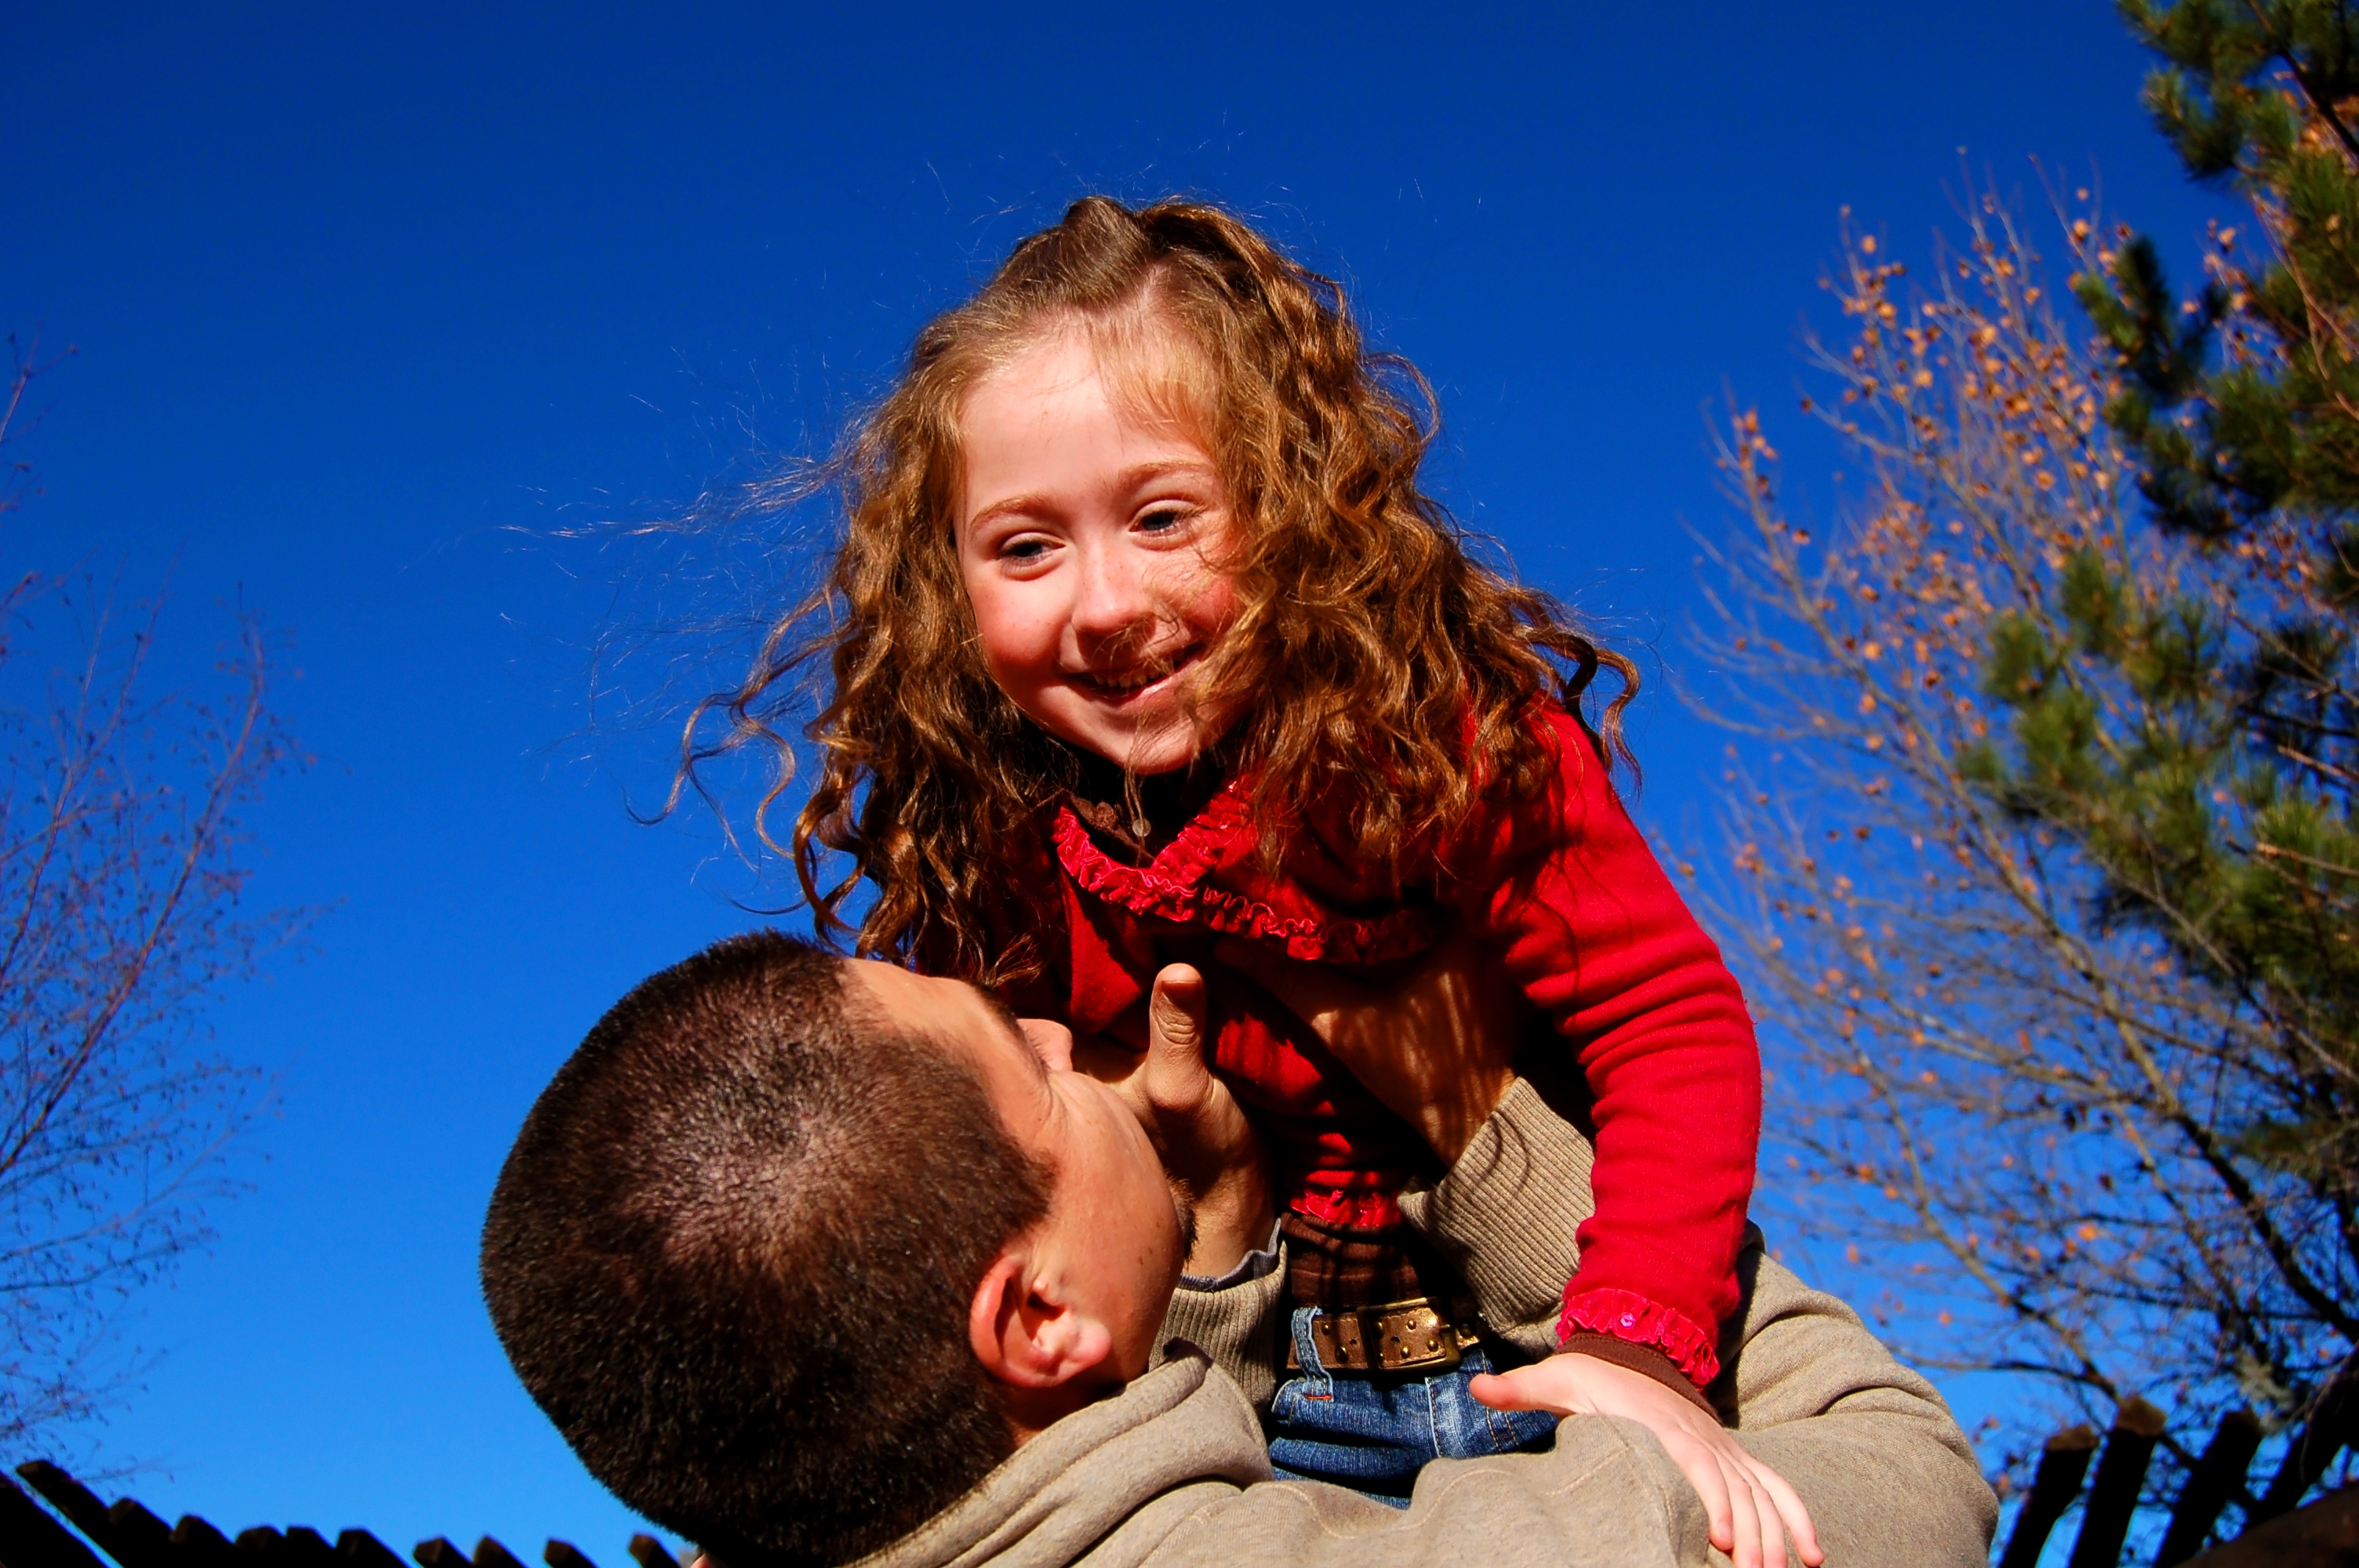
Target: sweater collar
[(1061, 1494)]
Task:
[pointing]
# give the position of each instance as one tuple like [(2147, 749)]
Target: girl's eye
[(1163, 520), (1023, 549)]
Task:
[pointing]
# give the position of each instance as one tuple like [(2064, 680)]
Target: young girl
[(1142, 635)]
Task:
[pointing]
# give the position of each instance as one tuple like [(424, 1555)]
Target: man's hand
[(1437, 1047), (1751, 1507), (1194, 1122)]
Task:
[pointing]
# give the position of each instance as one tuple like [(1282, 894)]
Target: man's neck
[(1031, 1412)]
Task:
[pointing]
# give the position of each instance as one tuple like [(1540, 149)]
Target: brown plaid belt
[(1415, 1336)]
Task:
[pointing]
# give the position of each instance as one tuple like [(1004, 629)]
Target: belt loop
[(1305, 1356)]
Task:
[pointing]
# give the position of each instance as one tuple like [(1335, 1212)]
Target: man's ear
[(1023, 1331)]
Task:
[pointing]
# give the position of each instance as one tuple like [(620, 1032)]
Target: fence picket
[(29, 1538), (2113, 1494), (2058, 1481), (2329, 1427), (2215, 1479), (359, 1549)]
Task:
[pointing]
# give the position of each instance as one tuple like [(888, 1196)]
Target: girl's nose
[(1112, 599)]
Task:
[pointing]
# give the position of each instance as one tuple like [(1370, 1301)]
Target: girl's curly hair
[(1372, 660)]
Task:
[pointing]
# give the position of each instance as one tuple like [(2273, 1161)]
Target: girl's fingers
[(1750, 1509), (1795, 1517), (1760, 1511), (1701, 1467), (1759, 1542), (1506, 1391), (1749, 1506)]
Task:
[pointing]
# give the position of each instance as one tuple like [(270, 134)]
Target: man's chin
[(1184, 1202)]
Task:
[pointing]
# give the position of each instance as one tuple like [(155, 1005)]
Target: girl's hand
[(1751, 1507), (1437, 1047)]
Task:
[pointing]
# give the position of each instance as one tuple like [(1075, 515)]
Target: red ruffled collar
[(1176, 885)]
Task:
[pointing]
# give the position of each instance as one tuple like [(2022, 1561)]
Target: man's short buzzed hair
[(733, 1250)]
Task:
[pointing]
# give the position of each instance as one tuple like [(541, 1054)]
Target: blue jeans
[(1375, 1433)]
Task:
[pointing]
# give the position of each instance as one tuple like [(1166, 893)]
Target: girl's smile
[(1139, 681), (1088, 530)]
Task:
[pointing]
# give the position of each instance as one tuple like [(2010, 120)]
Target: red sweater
[(1566, 892)]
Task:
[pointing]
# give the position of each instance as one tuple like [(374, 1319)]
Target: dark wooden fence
[(133, 1538), (2323, 1535)]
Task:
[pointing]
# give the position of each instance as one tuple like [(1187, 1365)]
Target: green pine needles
[(2225, 821)]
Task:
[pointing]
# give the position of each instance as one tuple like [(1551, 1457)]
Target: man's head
[(794, 1250)]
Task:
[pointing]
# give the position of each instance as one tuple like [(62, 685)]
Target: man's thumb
[(1175, 1017)]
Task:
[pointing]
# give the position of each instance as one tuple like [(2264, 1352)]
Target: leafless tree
[(122, 870), (1994, 1087)]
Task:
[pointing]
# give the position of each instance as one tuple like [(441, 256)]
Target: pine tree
[(2224, 821)]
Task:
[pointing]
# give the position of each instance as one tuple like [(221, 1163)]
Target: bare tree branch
[(122, 872)]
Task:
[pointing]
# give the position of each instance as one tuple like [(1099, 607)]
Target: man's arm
[(1868, 1445), (1438, 1049), (1867, 1442), (1888, 1477), (1239, 1322), (1507, 1213)]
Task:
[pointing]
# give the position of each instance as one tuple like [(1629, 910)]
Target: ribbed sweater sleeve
[(1240, 1326), (1507, 1216)]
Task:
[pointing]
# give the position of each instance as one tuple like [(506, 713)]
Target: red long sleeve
[(1593, 930)]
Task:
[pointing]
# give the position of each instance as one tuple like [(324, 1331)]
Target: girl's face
[(1087, 536)]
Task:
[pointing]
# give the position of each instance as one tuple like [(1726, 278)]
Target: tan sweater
[(1174, 1473)]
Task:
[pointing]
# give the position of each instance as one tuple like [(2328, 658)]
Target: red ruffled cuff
[(1631, 1317)]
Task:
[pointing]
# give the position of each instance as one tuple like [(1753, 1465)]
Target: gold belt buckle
[(1398, 1336)]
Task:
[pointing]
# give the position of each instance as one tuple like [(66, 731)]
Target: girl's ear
[(1023, 1334)]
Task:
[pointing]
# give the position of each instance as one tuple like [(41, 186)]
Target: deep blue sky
[(360, 292)]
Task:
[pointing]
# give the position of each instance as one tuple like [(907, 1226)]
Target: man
[(813, 1260)]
